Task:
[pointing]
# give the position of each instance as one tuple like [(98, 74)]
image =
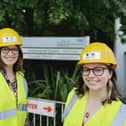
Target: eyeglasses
[(98, 71), (7, 50)]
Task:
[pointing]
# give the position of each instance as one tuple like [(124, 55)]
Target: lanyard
[(12, 85)]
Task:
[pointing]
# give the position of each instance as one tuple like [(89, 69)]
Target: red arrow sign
[(48, 108)]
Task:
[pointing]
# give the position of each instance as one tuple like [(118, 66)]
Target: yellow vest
[(12, 114), (103, 117)]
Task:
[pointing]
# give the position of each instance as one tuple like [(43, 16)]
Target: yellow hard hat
[(9, 36), (97, 52)]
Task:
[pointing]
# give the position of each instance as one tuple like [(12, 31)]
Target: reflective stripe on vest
[(12, 112), (25, 86), (69, 106), (120, 117), (22, 107), (7, 113)]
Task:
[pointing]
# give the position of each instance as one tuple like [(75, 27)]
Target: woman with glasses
[(13, 86), (96, 99)]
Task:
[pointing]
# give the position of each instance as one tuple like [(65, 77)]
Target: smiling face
[(9, 55), (96, 76)]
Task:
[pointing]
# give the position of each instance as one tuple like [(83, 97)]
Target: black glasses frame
[(97, 71), (7, 50)]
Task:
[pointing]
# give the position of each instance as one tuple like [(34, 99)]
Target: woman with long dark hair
[(96, 99), (13, 86)]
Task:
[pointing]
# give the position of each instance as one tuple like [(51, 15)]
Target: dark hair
[(112, 87), (18, 66)]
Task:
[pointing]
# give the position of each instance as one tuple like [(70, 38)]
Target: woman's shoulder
[(72, 92), (114, 106), (20, 73)]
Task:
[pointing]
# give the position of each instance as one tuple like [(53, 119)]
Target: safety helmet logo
[(9, 39), (91, 55)]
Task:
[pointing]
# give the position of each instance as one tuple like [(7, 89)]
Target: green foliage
[(75, 17), (55, 85), (57, 15)]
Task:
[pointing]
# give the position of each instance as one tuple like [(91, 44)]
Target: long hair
[(18, 66), (113, 91)]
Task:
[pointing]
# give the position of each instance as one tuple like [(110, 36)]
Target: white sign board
[(53, 48), (41, 107)]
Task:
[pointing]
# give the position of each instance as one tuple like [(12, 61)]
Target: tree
[(63, 17)]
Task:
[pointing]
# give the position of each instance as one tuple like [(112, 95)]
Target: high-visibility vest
[(12, 113), (118, 120)]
